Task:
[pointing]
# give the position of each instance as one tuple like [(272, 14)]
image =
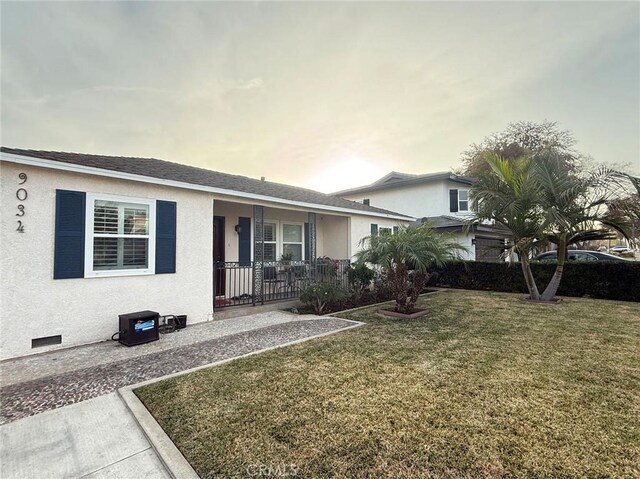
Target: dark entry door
[(218, 254)]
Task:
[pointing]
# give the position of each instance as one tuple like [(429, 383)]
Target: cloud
[(284, 90), (251, 84)]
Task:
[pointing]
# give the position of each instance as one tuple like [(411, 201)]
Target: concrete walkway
[(70, 423), (95, 439)]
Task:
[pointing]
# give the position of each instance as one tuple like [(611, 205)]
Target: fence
[(233, 282)]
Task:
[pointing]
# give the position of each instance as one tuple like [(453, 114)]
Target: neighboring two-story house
[(440, 198)]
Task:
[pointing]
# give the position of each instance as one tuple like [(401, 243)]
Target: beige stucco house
[(86, 238)]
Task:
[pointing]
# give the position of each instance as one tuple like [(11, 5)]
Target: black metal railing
[(233, 282)]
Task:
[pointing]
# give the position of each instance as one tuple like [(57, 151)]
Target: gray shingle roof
[(396, 179), (444, 221), (455, 223), (165, 170)]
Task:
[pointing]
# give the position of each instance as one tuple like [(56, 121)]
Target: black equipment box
[(138, 328)]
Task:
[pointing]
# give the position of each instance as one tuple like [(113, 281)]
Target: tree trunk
[(528, 278), (398, 280), (419, 281), (552, 288)]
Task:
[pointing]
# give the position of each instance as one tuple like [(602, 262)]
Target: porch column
[(258, 254), (313, 253)]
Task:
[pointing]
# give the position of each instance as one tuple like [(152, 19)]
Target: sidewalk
[(95, 439), (71, 423)]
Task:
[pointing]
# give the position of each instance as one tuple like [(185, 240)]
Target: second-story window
[(458, 200), (463, 200)]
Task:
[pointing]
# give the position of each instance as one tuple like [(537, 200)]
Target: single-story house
[(86, 238)]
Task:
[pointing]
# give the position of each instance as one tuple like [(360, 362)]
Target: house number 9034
[(21, 194)]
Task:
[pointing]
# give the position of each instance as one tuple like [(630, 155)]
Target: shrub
[(598, 279), (360, 277), (404, 258), (319, 294), (326, 268)]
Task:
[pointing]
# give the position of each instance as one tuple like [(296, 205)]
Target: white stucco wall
[(83, 310), (360, 227), (465, 239), (334, 234), (427, 199)]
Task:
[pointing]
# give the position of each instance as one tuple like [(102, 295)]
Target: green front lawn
[(486, 386)]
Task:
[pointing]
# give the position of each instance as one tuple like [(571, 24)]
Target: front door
[(218, 254)]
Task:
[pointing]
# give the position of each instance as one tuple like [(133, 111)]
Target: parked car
[(620, 249), (579, 255)]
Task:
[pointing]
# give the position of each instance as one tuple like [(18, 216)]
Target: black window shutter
[(165, 237), (306, 242), (244, 241), (453, 201), (395, 230), (68, 257), (374, 229)]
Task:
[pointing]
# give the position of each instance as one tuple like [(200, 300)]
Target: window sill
[(114, 273)]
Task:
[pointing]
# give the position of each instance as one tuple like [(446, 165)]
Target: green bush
[(320, 294), (326, 268), (360, 277), (598, 279)]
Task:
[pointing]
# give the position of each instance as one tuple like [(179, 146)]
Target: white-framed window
[(463, 200), (270, 241), (283, 237), (120, 236), (383, 230), (293, 240)]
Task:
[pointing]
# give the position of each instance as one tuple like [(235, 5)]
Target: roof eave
[(75, 168), (402, 183)]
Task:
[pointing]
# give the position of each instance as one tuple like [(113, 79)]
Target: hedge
[(604, 280)]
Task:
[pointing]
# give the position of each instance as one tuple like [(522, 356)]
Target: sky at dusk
[(321, 95)]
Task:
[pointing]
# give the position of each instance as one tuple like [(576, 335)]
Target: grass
[(485, 386)]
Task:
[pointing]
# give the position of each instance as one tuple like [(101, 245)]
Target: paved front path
[(27, 398), (65, 360)]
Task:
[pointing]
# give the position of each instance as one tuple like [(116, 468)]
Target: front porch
[(263, 254)]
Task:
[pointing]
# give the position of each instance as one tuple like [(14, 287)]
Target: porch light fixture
[(238, 229)]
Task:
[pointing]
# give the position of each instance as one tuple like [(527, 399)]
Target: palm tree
[(405, 258), (627, 206), (539, 202), (575, 209), (508, 195)]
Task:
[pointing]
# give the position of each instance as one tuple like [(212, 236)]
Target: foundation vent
[(46, 341)]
